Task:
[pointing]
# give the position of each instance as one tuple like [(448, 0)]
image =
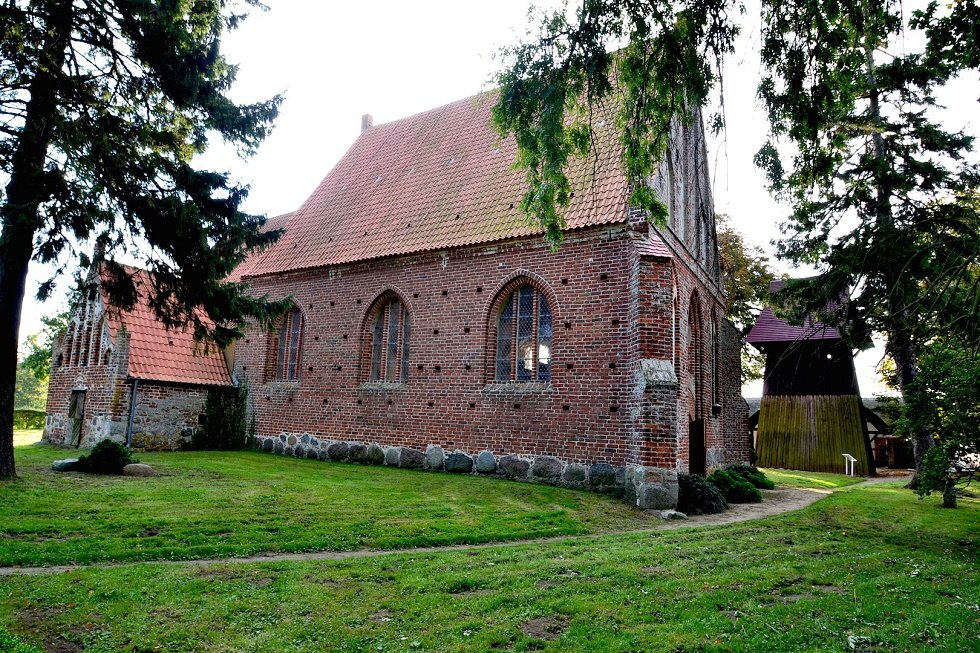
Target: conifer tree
[(103, 106)]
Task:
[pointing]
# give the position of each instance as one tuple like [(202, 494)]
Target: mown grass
[(222, 504), (22, 438), (811, 480), (870, 569)]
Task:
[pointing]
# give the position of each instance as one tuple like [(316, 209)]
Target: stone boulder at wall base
[(547, 468), (411, 459), (375, 455), (392, 456), (434, 456), (459, 463), (486, 463), (138, 469), (514, 466)]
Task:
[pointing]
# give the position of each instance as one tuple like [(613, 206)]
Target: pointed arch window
[(289, 346), (524, 337), (389, 342)]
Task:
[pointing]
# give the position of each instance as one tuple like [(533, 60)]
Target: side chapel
[(433, 327)]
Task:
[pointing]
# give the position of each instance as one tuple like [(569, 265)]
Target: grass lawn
[(221, 504), (811, 480), (871, 569), (25, 437)]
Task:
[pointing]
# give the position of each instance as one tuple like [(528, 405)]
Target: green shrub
[(699, 497), (107, 457), (753, 476), (735, 488), (25, 418), (223, 426)]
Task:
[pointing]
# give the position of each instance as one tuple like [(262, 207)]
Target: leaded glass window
[(290, 346), (524, 333), (389, 343)]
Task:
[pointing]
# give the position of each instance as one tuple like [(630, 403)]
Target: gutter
[(132, 411)]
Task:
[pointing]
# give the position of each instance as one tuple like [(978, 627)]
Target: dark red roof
[(439, 179), (769, 328), (157, 354), (245, 267), (653, 246)]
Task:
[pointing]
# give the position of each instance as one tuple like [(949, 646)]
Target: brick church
[(433, 327)]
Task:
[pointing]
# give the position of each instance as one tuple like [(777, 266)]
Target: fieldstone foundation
[(648, 488)]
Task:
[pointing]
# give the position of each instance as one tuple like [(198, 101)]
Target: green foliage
[(41, 345), (30, 393), (106, 457), (752, 474), (104, 108), (224, 424), (27, 419), (734, 487), (946, 403), (697, 496), (553, 82), (746, 275), (11, 644)]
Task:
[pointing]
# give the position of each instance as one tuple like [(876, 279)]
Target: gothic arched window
[(524, 331), (389, 341), (289, 346)]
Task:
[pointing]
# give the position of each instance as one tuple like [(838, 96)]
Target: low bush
[(223, 426), (735, 488), (25, 418), (699, 497), (107, 457), (753, 476)]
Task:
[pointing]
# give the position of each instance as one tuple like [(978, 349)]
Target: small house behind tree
[(124, 376), (811, 412)]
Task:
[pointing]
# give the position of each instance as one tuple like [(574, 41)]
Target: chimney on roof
[(367, 122)]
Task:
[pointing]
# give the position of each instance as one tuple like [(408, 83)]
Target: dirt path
[(775, 502)]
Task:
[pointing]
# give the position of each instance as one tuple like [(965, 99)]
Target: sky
[(336, 61)]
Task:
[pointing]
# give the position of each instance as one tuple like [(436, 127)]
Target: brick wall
[(87, 359), (584, 415)]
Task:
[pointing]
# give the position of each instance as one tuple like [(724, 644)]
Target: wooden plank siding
[(812, 432)]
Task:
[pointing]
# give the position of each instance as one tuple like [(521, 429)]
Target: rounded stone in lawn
[(65, 465), (299, 451), (267, 444), (357, 452), (514, 466), (459, 463), (375, 454), (138, 469), (278, 448), (411, 458), (486, 463), (337, 451), (312, 453)]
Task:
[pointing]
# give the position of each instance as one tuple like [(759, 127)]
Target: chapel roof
[(769, 328), (159, 354), (439, 179)]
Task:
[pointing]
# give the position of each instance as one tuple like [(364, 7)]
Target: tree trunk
[(949, 493), (901, 345), (19, 214)]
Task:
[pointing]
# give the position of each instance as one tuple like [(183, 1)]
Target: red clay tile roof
[(439, 179), (245, 267), (653, 246), (156, 354), (769, 328)]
